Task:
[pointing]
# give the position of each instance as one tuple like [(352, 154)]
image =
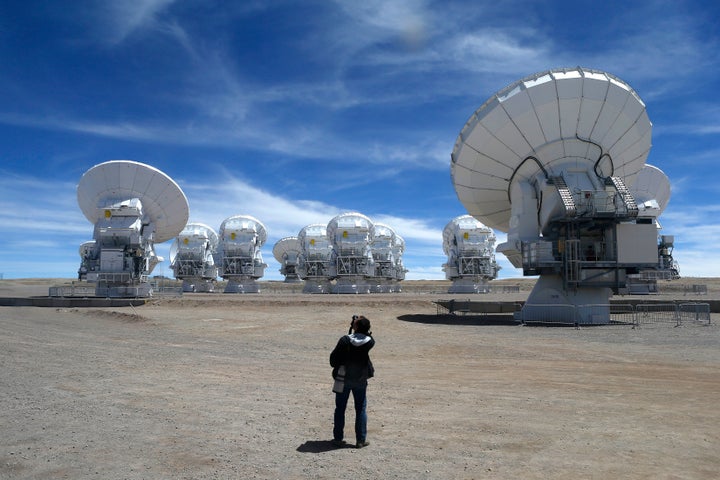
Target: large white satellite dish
[(470, 248), (546, 124), (549, 160), (239, 253), (163, 202), (382, 247), (132, 206), (651, 190), (287, 252), (314, 264), (400, 270), (192, 257), (350, 234)]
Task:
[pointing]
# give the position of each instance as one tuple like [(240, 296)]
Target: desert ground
[(238, 386)]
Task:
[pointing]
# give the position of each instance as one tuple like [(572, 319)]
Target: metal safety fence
[(638, 315)]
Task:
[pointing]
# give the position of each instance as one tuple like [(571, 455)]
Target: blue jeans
[(341, 400)]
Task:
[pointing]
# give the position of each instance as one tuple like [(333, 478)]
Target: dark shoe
[(339, 443), (361, 444)]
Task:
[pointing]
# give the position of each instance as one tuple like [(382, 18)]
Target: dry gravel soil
[(238, 386)]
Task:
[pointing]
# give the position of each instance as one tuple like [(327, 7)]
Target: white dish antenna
[(192, 257), (240, 258), (382, 242), (382, 246), (163, 202), (549, 160), (351, 234), (314, 265), (285, 247), (132, 206), (351, 231), (194, 234), (398, 251), (314, 241), (546, 124), (470, 247), (287, 252), (87, 254), (651, 190), (243, 230)]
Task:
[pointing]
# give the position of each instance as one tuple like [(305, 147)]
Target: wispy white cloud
[(116, 21), (36, 209)]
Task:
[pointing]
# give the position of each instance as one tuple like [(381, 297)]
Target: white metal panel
[(544, 99), (125, 174), (595, 92), (637, 243), (569, 111), (350, 220), (244, 223), (531, 130), (472, 161), (511, 136), (493, 148), (494, 120)]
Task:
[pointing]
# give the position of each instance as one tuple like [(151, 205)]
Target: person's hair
[(362, 325)]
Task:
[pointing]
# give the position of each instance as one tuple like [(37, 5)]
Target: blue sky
[(296, 111)]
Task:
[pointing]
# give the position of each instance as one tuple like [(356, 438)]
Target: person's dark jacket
[(353, 352)]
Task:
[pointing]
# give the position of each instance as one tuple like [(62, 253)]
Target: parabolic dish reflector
[(163, 202), (548, 122), (651, 184), (285, 245)]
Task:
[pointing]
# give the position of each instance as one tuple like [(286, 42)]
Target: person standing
[(352, 367)]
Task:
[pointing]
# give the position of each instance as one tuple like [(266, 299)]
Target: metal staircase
[(625, 195), (565, 196)]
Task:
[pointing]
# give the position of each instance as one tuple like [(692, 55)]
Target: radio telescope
[(239, 257), (87, 258), (192, 257), (549, 160), (314, 264), (382, 248), (400, 270), (469, 246), (132, 206), (287, 252), (350, 234), (651, 192)]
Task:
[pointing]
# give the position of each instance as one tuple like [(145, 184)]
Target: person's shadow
[(319, 446)]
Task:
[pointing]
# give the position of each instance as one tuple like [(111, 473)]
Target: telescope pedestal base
[(549, 303)]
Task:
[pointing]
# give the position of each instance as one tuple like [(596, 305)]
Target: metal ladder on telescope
[(565, 195), (572, 262), (625, 195)]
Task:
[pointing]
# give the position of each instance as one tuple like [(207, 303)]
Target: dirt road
[(217, 386)]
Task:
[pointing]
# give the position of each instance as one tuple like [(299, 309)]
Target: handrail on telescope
[(529, 157)]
